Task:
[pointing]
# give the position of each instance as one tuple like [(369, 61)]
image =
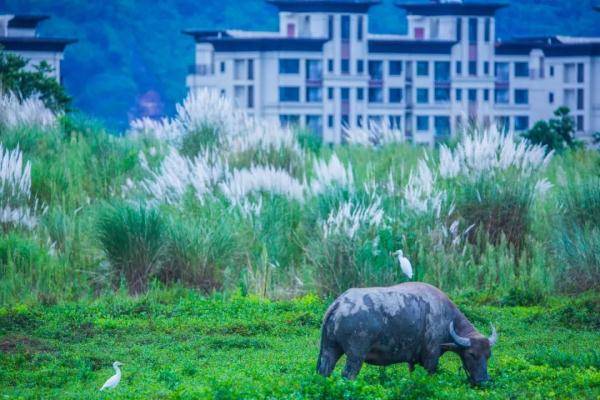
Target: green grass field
[(178, 345)]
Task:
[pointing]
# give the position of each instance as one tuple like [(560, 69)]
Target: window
[(376, 70), (580, 124), (222, 67), (330, 27), (441, 71), (472, 95), (360, 66), (346, 120), (359, 120), (345, 27), (395, 95), (486, 95), (289, 94), (360, 94), (472, 30), (291, 30), (422, 68), (345, 94), (486, 68), (503, 123), (501, 96), (441, 94), (330, 65), (580, 70), (422, 95), (422, 123), (419, 33), (314, 94), (458, 29), (239, 69), (250, 96), (360, 28), (395, 121), (521, 96), (458, 94), (502, 71), (289, 120), (330, 93), (551, 71), (289, 66), (314, 70), (580, 99), (330, 121), (441, 125), (521, 123), (487, 31), (314, 123), (345, 66), (458, 68), (551, 98), (395, 68), (375, 95), (434, 28), (250, 70), (522, 69), (473, 68)]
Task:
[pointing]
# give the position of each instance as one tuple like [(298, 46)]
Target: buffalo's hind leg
[(329, 356), (353, 366)]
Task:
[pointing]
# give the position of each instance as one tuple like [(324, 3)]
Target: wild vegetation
[(220, 237)]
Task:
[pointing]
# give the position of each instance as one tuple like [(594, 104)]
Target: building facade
[(18, 35), (324, 70)]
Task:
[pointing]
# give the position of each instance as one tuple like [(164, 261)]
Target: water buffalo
[(412, 322)]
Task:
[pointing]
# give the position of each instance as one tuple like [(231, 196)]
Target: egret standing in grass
[(404, 264), (114, 380)]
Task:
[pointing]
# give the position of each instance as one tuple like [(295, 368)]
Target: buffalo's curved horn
[(461, 341), (494, 337)]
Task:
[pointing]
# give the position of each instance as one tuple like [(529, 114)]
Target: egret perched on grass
[(404, 264), (114, 380)]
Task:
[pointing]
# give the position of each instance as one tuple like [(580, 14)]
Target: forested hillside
[(129, 50)]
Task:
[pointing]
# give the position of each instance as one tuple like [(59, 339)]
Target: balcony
[(200, 69)]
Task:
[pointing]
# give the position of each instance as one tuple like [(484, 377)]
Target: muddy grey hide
[(412, 322)]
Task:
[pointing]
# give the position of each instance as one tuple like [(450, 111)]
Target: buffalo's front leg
[(430, 361)]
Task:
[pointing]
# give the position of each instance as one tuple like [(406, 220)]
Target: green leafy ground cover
[(178, 345)]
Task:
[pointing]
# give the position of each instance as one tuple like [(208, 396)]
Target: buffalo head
[(474, 351)]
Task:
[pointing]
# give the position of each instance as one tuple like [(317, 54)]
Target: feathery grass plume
[(133, 240), (207, 108), (165, 129), (488, 151), (178, 174), (348, 218), (30, 112), (243, 183), (15, 191), (420, 193), (373, 135), (330, 174)]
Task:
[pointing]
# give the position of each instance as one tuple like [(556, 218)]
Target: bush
[(133, 240)]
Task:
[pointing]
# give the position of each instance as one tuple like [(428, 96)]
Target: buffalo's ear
[(449, 347)]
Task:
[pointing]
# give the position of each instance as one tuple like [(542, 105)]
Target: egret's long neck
[(117, 370)]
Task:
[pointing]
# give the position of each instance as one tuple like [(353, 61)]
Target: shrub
[(133, 240), (199, 249)]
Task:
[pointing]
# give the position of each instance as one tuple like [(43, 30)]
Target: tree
[(14, 78), (556, 133)]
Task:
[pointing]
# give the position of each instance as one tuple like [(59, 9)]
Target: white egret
[(114, 380), (404, 264)]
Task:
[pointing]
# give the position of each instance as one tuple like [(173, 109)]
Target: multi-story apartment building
[(18, 35), (324, 70)]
